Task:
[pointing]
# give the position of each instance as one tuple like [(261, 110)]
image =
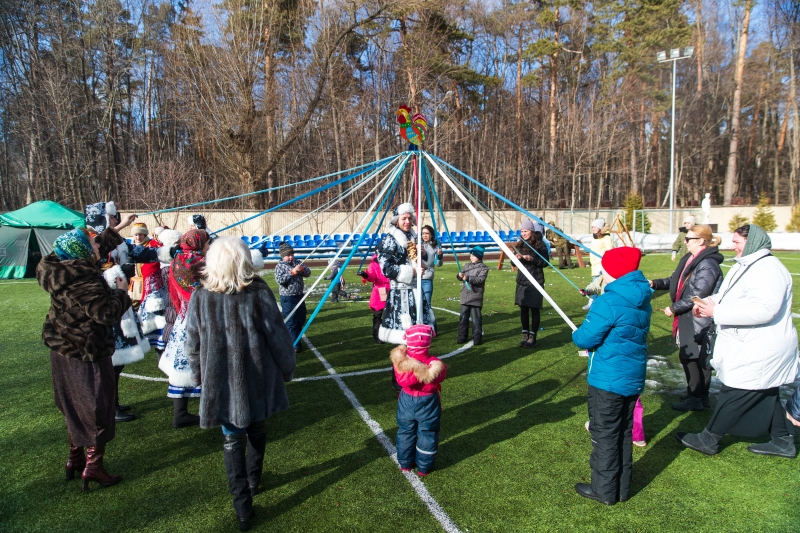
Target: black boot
[(705, 442), (256, 443), (180, 415), (236, 468), (778, 446)]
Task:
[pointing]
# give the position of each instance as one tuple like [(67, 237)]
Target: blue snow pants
[(418, 419)]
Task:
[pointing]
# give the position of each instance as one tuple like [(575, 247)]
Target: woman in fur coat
[(79, 332), (241, 351), (396, 254), (184, 277)]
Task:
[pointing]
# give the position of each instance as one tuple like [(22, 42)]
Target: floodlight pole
[(675, 55)]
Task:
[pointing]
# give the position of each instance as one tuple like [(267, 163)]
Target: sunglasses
[(687, 239)]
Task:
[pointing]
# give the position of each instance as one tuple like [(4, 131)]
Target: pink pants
[(638, 425)]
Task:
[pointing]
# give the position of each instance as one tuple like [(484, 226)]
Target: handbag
[(710, 338)]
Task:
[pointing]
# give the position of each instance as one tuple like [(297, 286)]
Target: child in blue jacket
[(615, 333)]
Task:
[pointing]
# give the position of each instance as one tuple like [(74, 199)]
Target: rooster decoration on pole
[(412, 128)]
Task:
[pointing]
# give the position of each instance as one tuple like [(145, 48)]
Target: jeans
[(427, 289), (418, 421), (294, 324)]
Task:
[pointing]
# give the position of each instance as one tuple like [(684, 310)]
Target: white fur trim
[(163, 255), (144, 345), (128, 325), (112, 274), (161, 322), (406, 274), (400, 236), (258, 259), (169, 238), (111, 209), (154, 304), (391, 336), (125, 356), (405, 320)]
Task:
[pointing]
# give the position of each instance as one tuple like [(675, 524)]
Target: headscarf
[(73, 245), (184, 271), (757, 239)]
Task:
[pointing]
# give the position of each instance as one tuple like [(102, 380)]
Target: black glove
[(458, 277), (174, 251), (362, 274)]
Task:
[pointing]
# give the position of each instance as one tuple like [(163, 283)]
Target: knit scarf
[(73, 245), (184, 271)]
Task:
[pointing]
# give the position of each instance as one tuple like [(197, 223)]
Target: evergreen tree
[(633, 203), (738, 220), (764, 216), (794, 223)]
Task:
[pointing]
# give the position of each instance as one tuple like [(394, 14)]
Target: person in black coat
[(531, 252), (698, 274)]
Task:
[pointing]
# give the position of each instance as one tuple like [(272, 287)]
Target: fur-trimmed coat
[(241, 352), (129, 342), (419, 375), (83, 309)]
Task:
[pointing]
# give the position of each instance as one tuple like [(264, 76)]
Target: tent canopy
[(43, 214), (47, 220)]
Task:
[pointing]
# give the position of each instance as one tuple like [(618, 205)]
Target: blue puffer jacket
[(615, 332)]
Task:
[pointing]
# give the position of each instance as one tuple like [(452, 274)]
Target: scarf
[(73, 245), (757, 239), (184, 271)]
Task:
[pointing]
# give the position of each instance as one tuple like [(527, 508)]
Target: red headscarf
[(184, 271)]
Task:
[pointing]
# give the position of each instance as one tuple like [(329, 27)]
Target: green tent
[(46, 220)]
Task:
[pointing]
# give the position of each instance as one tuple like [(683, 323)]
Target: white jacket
[(756, 344)]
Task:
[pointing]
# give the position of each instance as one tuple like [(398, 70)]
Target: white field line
[(419, 487)]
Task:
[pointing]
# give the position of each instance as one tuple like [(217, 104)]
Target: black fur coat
[(241, 353)]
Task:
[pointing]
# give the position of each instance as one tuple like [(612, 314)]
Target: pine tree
[(737, 221), (764, 216), (633, 203), (794, 223)]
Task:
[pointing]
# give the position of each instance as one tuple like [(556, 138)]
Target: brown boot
[(94, 470), (76, 461)]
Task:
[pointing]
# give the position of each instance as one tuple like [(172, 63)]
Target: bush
[(633, 203), (737, 221), (764, 216), (794, 223)]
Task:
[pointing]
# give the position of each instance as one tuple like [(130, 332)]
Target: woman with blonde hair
[(698, 274), (241, 351)]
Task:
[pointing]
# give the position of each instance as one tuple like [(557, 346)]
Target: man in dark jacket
[(474, 274), (615, 333)]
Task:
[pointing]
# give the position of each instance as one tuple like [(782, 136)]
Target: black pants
[(749, 413), (117, 371), (611, 424), (530, 319), (467, 312), (698, 379), (377, 316)]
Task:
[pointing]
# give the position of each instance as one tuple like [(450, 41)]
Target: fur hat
[(95, 216), (258, 259), (139, 228), (478, 251), (285, 249), (599, 223), (418, 337), (620, 261), (401, 210), (527, 225), (169, 238), (159, 229)]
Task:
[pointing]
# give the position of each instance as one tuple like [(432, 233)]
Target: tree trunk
[(730, 174)]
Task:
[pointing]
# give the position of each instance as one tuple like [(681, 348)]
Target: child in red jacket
[(419, 408)]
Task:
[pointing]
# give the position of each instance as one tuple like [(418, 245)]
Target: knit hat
[(401, 210), (478, 251), (95, 215), (689, 218), (599, 223), (418, 338), (527, 224), (620, 261), (285, 249), (139, 228)]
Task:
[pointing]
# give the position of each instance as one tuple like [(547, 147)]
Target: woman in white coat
[(755, 351)]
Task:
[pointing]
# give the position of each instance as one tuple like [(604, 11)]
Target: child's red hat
[(620, 261)]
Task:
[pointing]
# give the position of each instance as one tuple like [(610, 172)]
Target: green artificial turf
[(512, 443)]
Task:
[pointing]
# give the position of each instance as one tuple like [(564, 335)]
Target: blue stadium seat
[(330, 243), (307, 238), (337, 236), (318, 238), (245, 239)]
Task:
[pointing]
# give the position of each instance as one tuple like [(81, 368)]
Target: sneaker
[(586, 425), (587, 306), (422, 473), (404, 469), (639, 443)]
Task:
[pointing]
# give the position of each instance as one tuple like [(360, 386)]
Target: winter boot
[(236, 468), (122, 415), (180, 415), (94, 470), (256, 443), (529, 341), (778, 446), (689, 403), (523, 342), (76, 461), (705, 442)]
